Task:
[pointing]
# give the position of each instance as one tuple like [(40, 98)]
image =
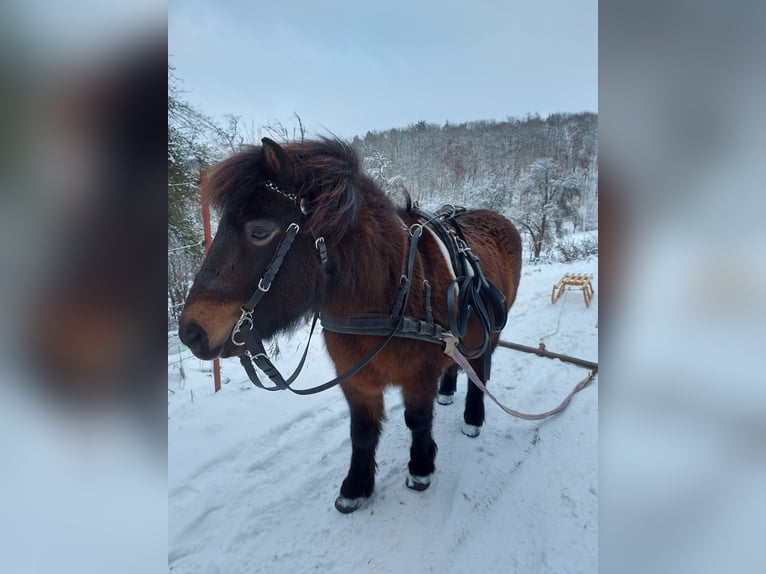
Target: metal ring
[(246, 316), (414, 227)]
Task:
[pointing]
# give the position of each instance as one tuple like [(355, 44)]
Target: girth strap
[(379, 324)]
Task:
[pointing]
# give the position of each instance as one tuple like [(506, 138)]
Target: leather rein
[(475, 293)]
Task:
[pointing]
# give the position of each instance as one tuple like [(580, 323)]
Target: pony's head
[(258, 193)]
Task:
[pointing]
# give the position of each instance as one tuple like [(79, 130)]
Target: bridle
[(475, 293)]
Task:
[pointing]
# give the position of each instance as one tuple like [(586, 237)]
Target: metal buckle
[(247, 316), (261, 287)]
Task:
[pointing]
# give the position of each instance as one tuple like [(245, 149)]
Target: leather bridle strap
[(273, 268), (253, 341)]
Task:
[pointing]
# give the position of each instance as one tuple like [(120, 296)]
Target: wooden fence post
[(208, 241)]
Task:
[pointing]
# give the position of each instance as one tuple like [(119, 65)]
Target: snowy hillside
[(252, 475)]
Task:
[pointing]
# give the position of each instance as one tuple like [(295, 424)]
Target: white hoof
[(471, 430), (418, 482), (346, 505), (444, 399)]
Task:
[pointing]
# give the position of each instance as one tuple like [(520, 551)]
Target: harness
[(470, 294)]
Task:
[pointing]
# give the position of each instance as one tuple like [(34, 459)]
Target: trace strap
[(458, 357)]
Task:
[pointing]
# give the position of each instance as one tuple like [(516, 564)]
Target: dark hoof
[(444, 399), (418, 482), (348, 505), (471, 430)]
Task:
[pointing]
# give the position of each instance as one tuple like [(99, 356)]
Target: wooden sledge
[(572, 280)]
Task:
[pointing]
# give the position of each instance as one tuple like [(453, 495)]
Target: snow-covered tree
[(547, 198), (480, 163)]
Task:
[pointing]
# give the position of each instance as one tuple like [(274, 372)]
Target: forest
[(541, 173)]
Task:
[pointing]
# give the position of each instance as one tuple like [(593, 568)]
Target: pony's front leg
[(419, 416), (366, 418)]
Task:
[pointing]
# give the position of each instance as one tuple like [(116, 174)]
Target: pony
[(319, 187)]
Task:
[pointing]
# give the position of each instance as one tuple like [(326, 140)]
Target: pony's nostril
[(192, 335)]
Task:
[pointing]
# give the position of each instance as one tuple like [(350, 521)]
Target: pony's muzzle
[(205, 327), (194, 336)]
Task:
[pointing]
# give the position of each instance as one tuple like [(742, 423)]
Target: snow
[(252, 475)]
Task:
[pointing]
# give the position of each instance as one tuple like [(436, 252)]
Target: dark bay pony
[(319, 185)]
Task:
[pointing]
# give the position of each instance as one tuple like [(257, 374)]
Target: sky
[(350, 67)]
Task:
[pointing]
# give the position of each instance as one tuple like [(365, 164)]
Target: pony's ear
[(276, 160)]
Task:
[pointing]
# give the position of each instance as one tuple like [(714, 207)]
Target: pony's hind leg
[(419, 415), (447, 386), (366, 421)]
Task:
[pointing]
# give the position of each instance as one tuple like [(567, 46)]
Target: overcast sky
[(349, 67)]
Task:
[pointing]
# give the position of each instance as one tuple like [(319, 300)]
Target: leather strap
[(379, 324), (273, 267), (257, 352)]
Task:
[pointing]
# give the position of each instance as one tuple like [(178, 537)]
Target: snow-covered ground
[(252, 475)]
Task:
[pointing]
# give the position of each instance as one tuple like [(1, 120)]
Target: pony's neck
[(369, 261)]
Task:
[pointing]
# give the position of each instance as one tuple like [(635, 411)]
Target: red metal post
[(208, 241)]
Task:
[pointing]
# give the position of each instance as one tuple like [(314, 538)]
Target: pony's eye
[(259, 231)]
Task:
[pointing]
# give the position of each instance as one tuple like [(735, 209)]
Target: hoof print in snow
[(471, 430), (347, 505), (418, 482), (444, 399)]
